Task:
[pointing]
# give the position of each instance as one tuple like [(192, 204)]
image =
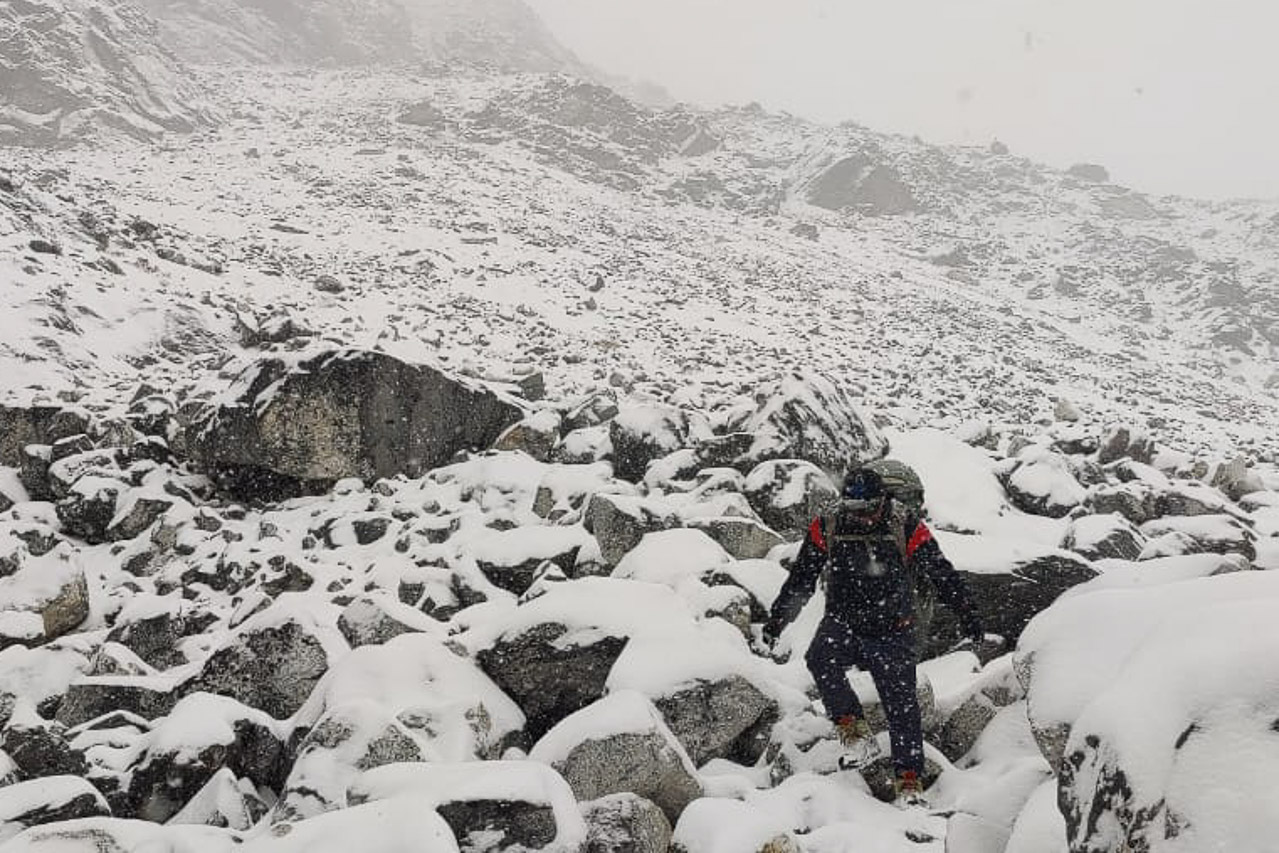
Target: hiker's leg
[(891, 661), (829, 657)]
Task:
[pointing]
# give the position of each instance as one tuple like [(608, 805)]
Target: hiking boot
[(861, 749), (910, 791)]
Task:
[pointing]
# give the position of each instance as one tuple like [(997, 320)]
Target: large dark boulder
[(1007, 600), (347, 413), (548, 679), (23, 425)]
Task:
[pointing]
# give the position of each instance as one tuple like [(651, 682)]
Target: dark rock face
[(521, 826), (547, 682), (155, 638), (20, 426), (1108, 807), (641, 434), (272, 669), (1007, 601), (93, 696), (729, 718), (344, 414), (1100, 537), (50, 800), (39, 748), (860, 184)]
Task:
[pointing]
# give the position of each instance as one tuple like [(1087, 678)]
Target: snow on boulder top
[(619, 713), (961, 492), (672, 557), (418, 674), (348, 413), (811, 417)]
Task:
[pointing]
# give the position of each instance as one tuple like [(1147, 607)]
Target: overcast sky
[(1170, 95)]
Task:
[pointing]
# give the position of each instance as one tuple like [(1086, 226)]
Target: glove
[(972, 627), (772, 630)]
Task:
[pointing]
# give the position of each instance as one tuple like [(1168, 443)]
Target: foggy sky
[(1173, 96)]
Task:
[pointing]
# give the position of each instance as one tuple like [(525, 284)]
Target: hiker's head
[(863, 492)]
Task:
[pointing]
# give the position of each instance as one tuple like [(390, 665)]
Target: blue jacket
[(870, 586)]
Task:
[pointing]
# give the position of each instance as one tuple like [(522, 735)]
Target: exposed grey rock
[(619, 522), (39, 747), (1215, 534), (807, 416), (201, 736), (155, 636), (548, 681), (345, 413), (89, 508), (643, 433), (728, 718), (504, 824), (92, 696), (342, 744), (373, 620), (788, 494), (629, 750), (1119, 442), (1096, 537), (34, 472), (598, 408), (536, 435), (136, 515), (859, 183), (743, 538), (1136, 501), (625, 823), (510, 559), (23, 425), (1089, 172), (271, 663)]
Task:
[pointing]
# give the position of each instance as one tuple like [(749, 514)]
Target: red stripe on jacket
[(815, 533), (921, 535)]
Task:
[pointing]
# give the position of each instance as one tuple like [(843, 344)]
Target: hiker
[(872, 547)]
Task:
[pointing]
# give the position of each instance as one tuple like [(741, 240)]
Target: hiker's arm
[(802, 581), (926, 556)]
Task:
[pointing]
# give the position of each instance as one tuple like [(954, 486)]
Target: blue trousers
[(890, 659)]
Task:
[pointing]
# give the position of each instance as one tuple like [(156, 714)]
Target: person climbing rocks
[(872, 548)]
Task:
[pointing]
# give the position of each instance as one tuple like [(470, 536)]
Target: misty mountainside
[(474, 214), (71, 66), (504, 34)]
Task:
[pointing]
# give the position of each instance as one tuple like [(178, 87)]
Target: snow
[(620, 712), (426, 786)]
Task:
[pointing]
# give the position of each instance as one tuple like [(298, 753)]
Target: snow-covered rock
[(621, 744), (346, 413), (48, 800), (625, 823), (788, 494), (809, 417)]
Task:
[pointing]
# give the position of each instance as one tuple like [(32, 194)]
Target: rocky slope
[(71, 65)]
